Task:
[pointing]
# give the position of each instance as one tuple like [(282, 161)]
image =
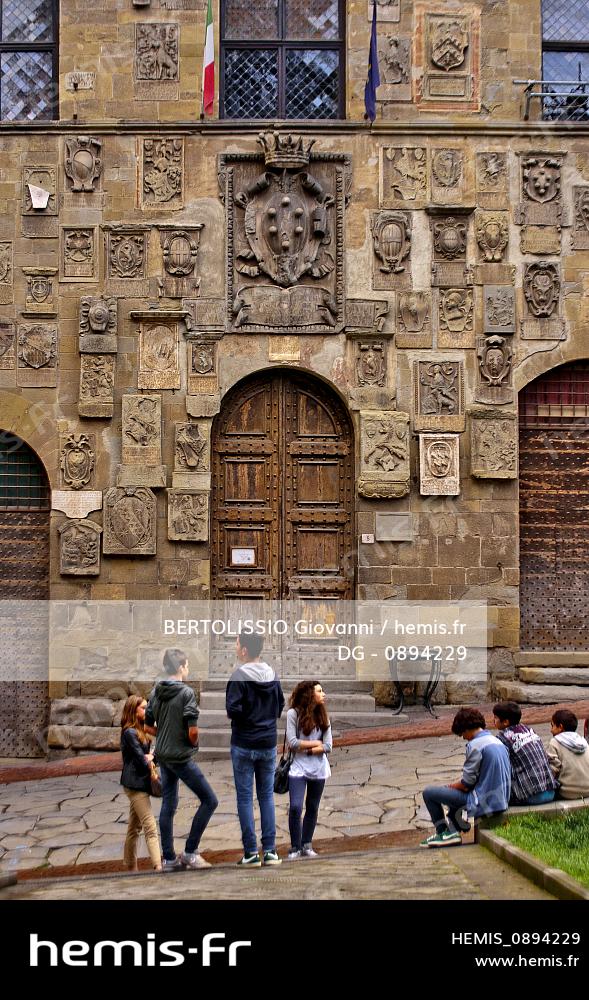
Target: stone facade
[(473, 279)]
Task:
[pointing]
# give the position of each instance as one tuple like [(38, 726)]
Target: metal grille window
[(28, 60), (23, 480), (282, 59), (558, 398), (565, 56)]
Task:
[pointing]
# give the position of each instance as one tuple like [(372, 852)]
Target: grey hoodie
[(569, 763)]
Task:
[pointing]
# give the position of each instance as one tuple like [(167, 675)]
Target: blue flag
[(373, 78)]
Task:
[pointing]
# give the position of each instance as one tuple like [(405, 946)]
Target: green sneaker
[(271, 858), (250, 861), (448, 838)]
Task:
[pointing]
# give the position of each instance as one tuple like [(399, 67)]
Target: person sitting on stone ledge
[(532, 782), (568, 756), (483, 789)]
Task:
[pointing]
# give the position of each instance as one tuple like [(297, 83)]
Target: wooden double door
[(283, 488)]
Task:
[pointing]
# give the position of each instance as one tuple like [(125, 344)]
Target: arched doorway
[(283, 489), (25, 504), (554, 510)]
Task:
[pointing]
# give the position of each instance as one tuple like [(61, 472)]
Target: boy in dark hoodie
[(172, 715), (254, 701)]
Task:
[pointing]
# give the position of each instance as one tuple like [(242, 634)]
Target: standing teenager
[(172, 715), (254, 702), (136, 780), (308, 734)]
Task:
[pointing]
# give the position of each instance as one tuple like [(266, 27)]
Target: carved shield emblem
[(541, 179), (449, 41), (130, 521), (542, 288), (39, 289), (450, 238), (439, 458), (37, 346), (447, 167), (203, 360), (127, 256), (582, 210), (179, 255)]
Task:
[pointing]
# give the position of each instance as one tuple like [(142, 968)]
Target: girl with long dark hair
[(136, 780), (308, 734)]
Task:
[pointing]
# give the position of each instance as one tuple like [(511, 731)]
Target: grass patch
[(561, 840)]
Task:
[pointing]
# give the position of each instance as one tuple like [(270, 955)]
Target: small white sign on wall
[(243, 557)]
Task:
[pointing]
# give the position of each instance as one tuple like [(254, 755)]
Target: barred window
[(565, 33), (28, 60), (282, 59)]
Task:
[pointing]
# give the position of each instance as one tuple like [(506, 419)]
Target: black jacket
[(254, 701), (135, 774), (172, 707)]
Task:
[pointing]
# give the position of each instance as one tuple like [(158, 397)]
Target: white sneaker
[(308, 852), (293, 856), (194, 861)]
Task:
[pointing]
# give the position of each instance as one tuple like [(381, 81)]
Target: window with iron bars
[(565, 59), (282, 59), (23, 480), (29, 68)]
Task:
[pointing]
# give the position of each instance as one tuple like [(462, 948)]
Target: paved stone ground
[(465, 873), (82, 819)]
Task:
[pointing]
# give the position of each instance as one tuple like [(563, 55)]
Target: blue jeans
[(246, 765), (538, 798), (302, 835), (193, 777), (437, 796)]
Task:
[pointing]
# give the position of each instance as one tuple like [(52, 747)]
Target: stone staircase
[(350, 704), (546, 678)]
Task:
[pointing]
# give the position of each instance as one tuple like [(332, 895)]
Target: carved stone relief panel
[(492, 233), (493, 445), (40, 291), (449, 234), (39, 202), (79, 548), (438, 388), (76, 504), (455, 317), (414, 327), (205, 315), (76, 460), (78, 257), (447, 176), (97, 384), (439, 465), (129, 521), (580, 234), (495, 358), (181, 4), (192, 447), (366, 316), (37, 356), (98, 324), (126, 261), (188, 515), (386, 10), (162, 172), (540, 211), (371, 363), (83, 163), (384, 454), (499, 309), (492, 180), (159, 355), (142, 430), (6, 272), (7, 355), (391, 237), (179, 259), (403, 177), (542, 286), (202, 370), (448, 56), (157, 60), (285, 237), (394, 61)]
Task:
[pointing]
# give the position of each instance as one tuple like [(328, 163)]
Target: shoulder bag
[(283, 768)]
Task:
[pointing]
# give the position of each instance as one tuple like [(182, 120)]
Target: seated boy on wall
[(531, 778), (568, 754), (484, 787)]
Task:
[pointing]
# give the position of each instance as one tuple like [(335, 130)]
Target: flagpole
[(202, 88)]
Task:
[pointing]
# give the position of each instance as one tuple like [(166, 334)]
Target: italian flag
[(208, 72)]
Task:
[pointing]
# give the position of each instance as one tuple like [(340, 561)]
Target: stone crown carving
[(285, 151)]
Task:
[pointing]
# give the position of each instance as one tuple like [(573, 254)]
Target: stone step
[(554, 675), (540, 694), (340, 720), (552, 658), (348, 701)]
